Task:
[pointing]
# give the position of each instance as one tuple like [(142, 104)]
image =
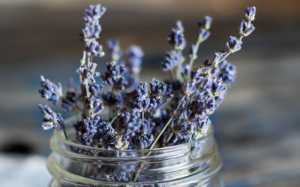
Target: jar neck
[(196, 160)]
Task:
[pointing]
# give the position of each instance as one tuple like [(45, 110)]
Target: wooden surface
[(257, 127)]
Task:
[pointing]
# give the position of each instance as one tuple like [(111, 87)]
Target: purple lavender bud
[(203, 34), (144, 141), (160, 89), (114, 50), (176, 38), (94, 104), (250, 13), (135, 55), (234, 44), (90, 32), (196, 75), (189, 88), (94, 49), (172, 59), (207, 65), (69, 101), (185, 72), (219, 99), (114, 76), (86, 130), (111, 98), (204, 126), (181, 131), (203, 106), (89, 74), (227, 72), (217, 86), (51, 120), (95, 89), (206, 23), (142, 91), (129, 123), (245, 28), (135, 51), (94, 13), (50, 91)]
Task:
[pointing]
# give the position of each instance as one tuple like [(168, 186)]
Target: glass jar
[(191, 164)]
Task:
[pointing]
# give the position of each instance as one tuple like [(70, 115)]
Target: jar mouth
[(58, 135)]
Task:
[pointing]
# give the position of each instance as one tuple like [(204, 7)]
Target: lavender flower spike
[(50, 91), (234, 44), (51, 120), (94, 13), (135, 54), (250, 13), (176, 38)]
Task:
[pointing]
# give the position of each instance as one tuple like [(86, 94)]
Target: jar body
[(194, 164)]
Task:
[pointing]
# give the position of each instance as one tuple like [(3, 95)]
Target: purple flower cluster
[(114, 76), (176, 38), (51, 120), (169, 112), (50, 91), (92, 30)]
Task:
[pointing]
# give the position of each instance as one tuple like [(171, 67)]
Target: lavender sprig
[(50, 91), (52, 120)]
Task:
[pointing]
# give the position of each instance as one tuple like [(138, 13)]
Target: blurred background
[(257, 126)]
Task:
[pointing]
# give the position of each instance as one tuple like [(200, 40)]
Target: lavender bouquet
[(121, 113)]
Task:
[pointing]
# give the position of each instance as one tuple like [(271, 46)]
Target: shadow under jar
[(194, 164)]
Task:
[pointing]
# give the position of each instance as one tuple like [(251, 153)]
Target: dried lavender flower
[(51, 120), (94, 13), (86, 130), (227, 72), (189, 88), (206, 23), (245, 28), (50, 91), (111, 98), (69, 102), (89, 73), (94, 105), (135, 55), (172, 59), (217, 86), (114, 76), (176, 38), (114, 50), (129, 124), (203, 34), (250, 13), (94, 49), (90, 32), (204, 126), (197, 75), (234, 44), (160, 89)]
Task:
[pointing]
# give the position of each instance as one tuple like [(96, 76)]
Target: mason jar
[(193, 164)]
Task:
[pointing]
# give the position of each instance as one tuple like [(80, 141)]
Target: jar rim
[(59, 136)]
